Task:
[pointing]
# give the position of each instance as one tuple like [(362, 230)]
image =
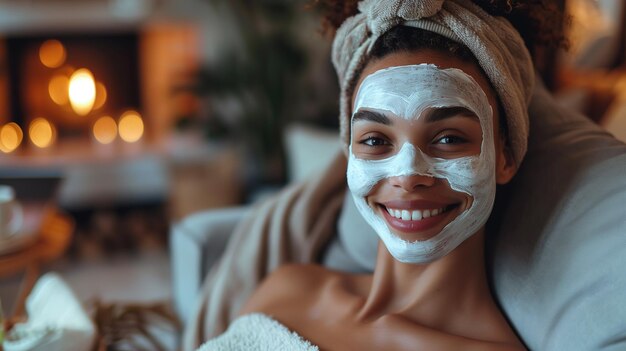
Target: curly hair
[(539, 22)]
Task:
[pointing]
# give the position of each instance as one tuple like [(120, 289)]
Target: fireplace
[(77, 86), (108, 88)]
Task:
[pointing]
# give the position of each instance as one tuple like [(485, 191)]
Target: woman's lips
[(415, 216)]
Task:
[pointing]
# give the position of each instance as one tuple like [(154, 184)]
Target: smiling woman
[(431, 121), (423, 162), (429, 135)]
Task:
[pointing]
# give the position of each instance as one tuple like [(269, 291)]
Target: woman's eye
[(374, 141), (453, 145), (450, 139)]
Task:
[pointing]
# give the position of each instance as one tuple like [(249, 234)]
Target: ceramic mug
[(11, 214)]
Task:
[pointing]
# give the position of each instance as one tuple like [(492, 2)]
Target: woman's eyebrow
[(442, 113), (372, 116)]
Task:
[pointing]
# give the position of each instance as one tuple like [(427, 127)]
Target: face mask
[(406, 92)]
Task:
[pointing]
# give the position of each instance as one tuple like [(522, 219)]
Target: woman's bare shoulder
[(289, 283), (298, 277), (406, 334)]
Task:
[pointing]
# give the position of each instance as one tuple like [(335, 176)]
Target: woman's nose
[(412, 182)]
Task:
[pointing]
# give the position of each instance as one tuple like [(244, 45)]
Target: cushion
[(557, 259), (354, 247), (309, 150)]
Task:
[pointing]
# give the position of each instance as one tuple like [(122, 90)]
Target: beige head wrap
[(497, 46)]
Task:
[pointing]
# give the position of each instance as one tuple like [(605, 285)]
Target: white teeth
[(406, 215), (414, 215)]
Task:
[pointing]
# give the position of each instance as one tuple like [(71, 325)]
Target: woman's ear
[(505, 165)]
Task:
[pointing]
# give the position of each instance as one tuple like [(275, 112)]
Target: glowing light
[(41, 132), (52, 53), (58, 89), (131, 126), (101, 96), (105, 130), (82, 91), (10, 137)]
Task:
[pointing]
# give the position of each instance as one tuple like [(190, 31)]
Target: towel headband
[(496, 45)]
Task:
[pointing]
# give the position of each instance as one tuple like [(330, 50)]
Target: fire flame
[(82, 91)]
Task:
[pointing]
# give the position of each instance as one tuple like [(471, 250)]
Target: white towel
[(56, 320), (257, 332)]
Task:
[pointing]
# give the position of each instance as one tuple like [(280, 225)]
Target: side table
[(54, 237)]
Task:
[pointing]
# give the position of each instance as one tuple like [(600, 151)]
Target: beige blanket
[(292, 227)]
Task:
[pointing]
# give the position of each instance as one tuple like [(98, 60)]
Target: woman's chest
[(331, 320)]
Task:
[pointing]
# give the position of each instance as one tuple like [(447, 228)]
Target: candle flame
[(131, 126), (105, 130), (11, 136), (41, 132), (58, 89), (52, 53), (101, 95)]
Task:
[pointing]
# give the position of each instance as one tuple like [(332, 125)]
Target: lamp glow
[(82, 91)]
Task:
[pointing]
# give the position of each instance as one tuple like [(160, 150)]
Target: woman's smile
[(418, 217)]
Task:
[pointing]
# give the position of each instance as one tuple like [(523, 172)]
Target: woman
[(434, 116), (440, 303)]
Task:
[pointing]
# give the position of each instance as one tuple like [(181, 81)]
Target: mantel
[(38, 16)]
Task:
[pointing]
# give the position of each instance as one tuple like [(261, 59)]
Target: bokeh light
[(82, 91), (52, 53), (11, 136), (41, 132), (101, 96), (105, 130), (58, 89), (131, 126)]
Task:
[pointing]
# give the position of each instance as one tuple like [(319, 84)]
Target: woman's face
[(439, 138)]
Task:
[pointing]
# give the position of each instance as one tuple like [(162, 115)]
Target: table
[(54, 237)]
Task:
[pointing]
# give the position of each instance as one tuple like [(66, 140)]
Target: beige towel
[(494, 42), (292, 227)]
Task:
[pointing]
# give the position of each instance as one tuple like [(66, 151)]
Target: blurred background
[(125, 116)]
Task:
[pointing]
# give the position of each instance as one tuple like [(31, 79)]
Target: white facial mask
[(406, 92)]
